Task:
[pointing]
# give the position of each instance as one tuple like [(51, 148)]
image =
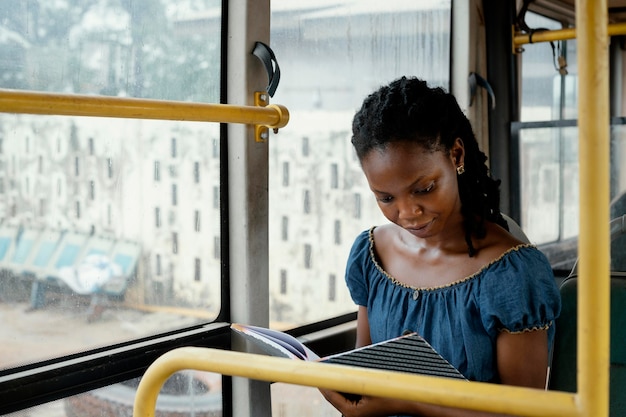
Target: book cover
[(407, 353)]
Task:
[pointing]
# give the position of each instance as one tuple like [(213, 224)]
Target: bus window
[(549, 186), (543, 93), (108, 227), (186, 393), (547, 139), (548, 145), (331, 55), (161, 50)]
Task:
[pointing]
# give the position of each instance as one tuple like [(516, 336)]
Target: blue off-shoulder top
[(515, 293)]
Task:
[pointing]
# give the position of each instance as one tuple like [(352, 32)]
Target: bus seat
[(563, 370), (515, 229)]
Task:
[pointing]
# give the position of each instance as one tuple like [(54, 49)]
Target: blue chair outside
[(46, 265), (25, 245), (8, 235), (42, 256)]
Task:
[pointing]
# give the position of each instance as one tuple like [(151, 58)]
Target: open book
[(407, 353)]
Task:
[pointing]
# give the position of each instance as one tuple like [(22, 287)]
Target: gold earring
[(460, 169)]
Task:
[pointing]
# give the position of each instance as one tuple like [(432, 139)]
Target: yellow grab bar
[(520, 39), (594, 239), (272, 116), (442, 391)]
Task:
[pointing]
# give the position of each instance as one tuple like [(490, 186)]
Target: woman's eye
[(385, 199), (426, 190)]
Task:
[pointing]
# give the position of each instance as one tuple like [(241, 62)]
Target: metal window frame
[(58, 378)]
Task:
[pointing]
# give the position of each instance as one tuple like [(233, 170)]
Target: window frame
[(54, 379)]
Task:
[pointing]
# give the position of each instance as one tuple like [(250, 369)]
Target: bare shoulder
[(497, 241), (385, 233), (386, 243)]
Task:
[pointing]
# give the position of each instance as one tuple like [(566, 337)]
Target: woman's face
[(416, 188)]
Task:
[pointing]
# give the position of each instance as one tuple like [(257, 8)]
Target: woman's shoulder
[(498, 242), (376, 235), (366, 245), (519, 289), (507, 255), (382, 234), (503, 255), (523, 258)]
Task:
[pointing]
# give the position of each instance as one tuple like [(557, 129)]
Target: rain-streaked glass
[(109, 228), (332, 54)]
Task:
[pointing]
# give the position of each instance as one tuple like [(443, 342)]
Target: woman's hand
[(364, 406), (369, 406)]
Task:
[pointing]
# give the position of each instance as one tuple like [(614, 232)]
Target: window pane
[(96, 246), (111, 274), (550, 195), (549, 183), (546, 94), (140, 48), (331, 56), (184, 394)]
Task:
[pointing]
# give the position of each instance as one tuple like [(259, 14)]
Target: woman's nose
[(409, 210)]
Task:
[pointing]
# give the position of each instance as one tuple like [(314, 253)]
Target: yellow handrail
[(520, 39), (442, 391), (272, 116)]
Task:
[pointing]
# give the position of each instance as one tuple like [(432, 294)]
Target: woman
[(445, 266)]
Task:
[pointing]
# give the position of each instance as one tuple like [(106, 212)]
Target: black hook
[(267, 57)]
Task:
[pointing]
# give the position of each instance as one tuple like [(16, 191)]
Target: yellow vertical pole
[(593, 246)]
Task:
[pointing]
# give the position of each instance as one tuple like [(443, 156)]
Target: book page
[(275, 342)]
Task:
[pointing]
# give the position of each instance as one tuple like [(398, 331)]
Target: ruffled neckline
[(451, 284)]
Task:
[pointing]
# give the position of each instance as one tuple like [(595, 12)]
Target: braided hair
[(407, 110)]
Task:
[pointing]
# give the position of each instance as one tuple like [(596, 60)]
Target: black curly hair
[(409, 110)]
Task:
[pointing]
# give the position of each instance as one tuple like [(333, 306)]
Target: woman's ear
[(457, 153)]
